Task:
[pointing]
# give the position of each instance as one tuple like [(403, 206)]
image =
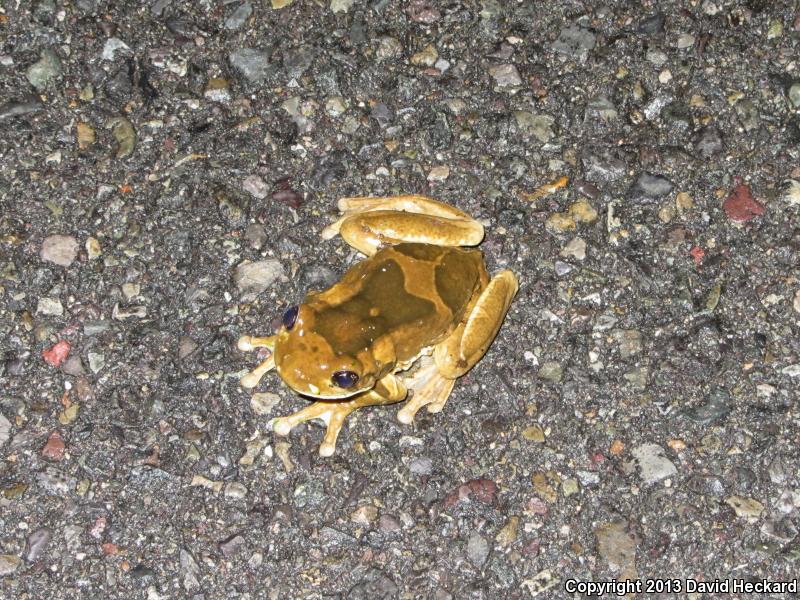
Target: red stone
[(483, 490), (698, 254), (740, 206), (55, 447), (56, 354)]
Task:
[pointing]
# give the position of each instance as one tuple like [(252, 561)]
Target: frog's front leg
[(369, 224), (333, 412), (459, 352), (247, 343)]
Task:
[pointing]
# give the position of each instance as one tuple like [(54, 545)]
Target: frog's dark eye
[(344, 379), (289, 317)]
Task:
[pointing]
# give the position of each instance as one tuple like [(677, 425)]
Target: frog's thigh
[(468, 343), (247, 343), (368, 224), (333, 412)]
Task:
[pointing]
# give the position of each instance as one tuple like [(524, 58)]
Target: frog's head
[(324, 353)]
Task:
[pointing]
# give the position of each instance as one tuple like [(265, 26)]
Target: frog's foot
[(430, 389), (334, 412), (247, 343), (369, 224), (458, 353)]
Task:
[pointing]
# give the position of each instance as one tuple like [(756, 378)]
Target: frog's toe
[(430, 389), (251, 380), (247, 343)]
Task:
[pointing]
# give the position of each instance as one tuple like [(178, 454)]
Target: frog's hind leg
[(369, 224), (333, 412), (458, 353), (247, 343)]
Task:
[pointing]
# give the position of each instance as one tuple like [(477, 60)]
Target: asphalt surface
[(165, 171)]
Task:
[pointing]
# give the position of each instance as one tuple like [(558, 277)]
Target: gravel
[(166, 170)]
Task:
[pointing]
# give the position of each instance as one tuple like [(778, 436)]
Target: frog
[(403, 324)]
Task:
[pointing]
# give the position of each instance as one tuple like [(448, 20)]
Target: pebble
[(46, 70), (616, 544), (582, 212), (740, 206), (256, 187), (8, 564), (421, 465), (630, 342), (14, 108), (653, 465), (538, 126), (57, 353), (508, 534), (560, 223), (708, 142), (239, 16), (364, 515), (36, 543), (112, 46), (505, 75), (602, 165), (603, 108), (276, 4), (252, 278), (59, 249), (426, 57), (388, 522), (96, 361), (790, 192), (262, 403), (338, 6), (124, 134), (652, 24), (5, 430), (50, 306), (232, 546), (796, 302), (794, 95), (235, 490), (550, 371), (388, 47), (685, 40), (252, 63), (534, 433), (440, 173), (477, 549), (335, 106), (747, 508), (576, 248), (656, 57), (54, 448), (575, 42), (217, 90), (648, 186), (715, 408)]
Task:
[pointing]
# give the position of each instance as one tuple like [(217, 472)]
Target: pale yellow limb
[(333, 412), (247, 343), (468, 343), (369, 224), (430, 389)]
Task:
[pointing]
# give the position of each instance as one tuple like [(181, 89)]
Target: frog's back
[(414, 293)]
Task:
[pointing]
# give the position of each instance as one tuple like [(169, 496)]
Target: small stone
[(389, 523), (439, 173), (747, 508), (232, 546), (790, 192), (582, 212), (235, 490), (388, 47), (54, 448), (252, 278), (543, 488), (276, 4), (112, 46), (708, 142), (262, 403), (794, 95), (364, 515), (338, 6), (550, 371), (533, 125), (775, 30), (5, 430), (653, 465), (59, 249), (50, 306), (603, 108), (217, 90), (576, 248), (426, 57), (335, 106), (740, 206), (36, 543), (8, 564), (252, 63), (534, 433), (617, 545), (85, 135), (685, 40), (716, 407), (505, 75), (46, 70), (421, 465), (239, 16), (648, 186), (665, 76), (630, 342), (683, 202), (796, 302), (96, 361), (575, 42), (93, 249), (508, 534), (656, 57), (569, 487), (666, 213), (255, 186), (124, 134), (57, 353), (130, 290), (477, 549), (560, 223)]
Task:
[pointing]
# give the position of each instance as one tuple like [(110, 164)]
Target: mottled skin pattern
[(417, 294)]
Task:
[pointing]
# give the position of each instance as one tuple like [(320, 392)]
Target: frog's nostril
[(289, 317)]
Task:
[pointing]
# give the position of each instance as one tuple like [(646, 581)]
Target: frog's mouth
[(310, 390)]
